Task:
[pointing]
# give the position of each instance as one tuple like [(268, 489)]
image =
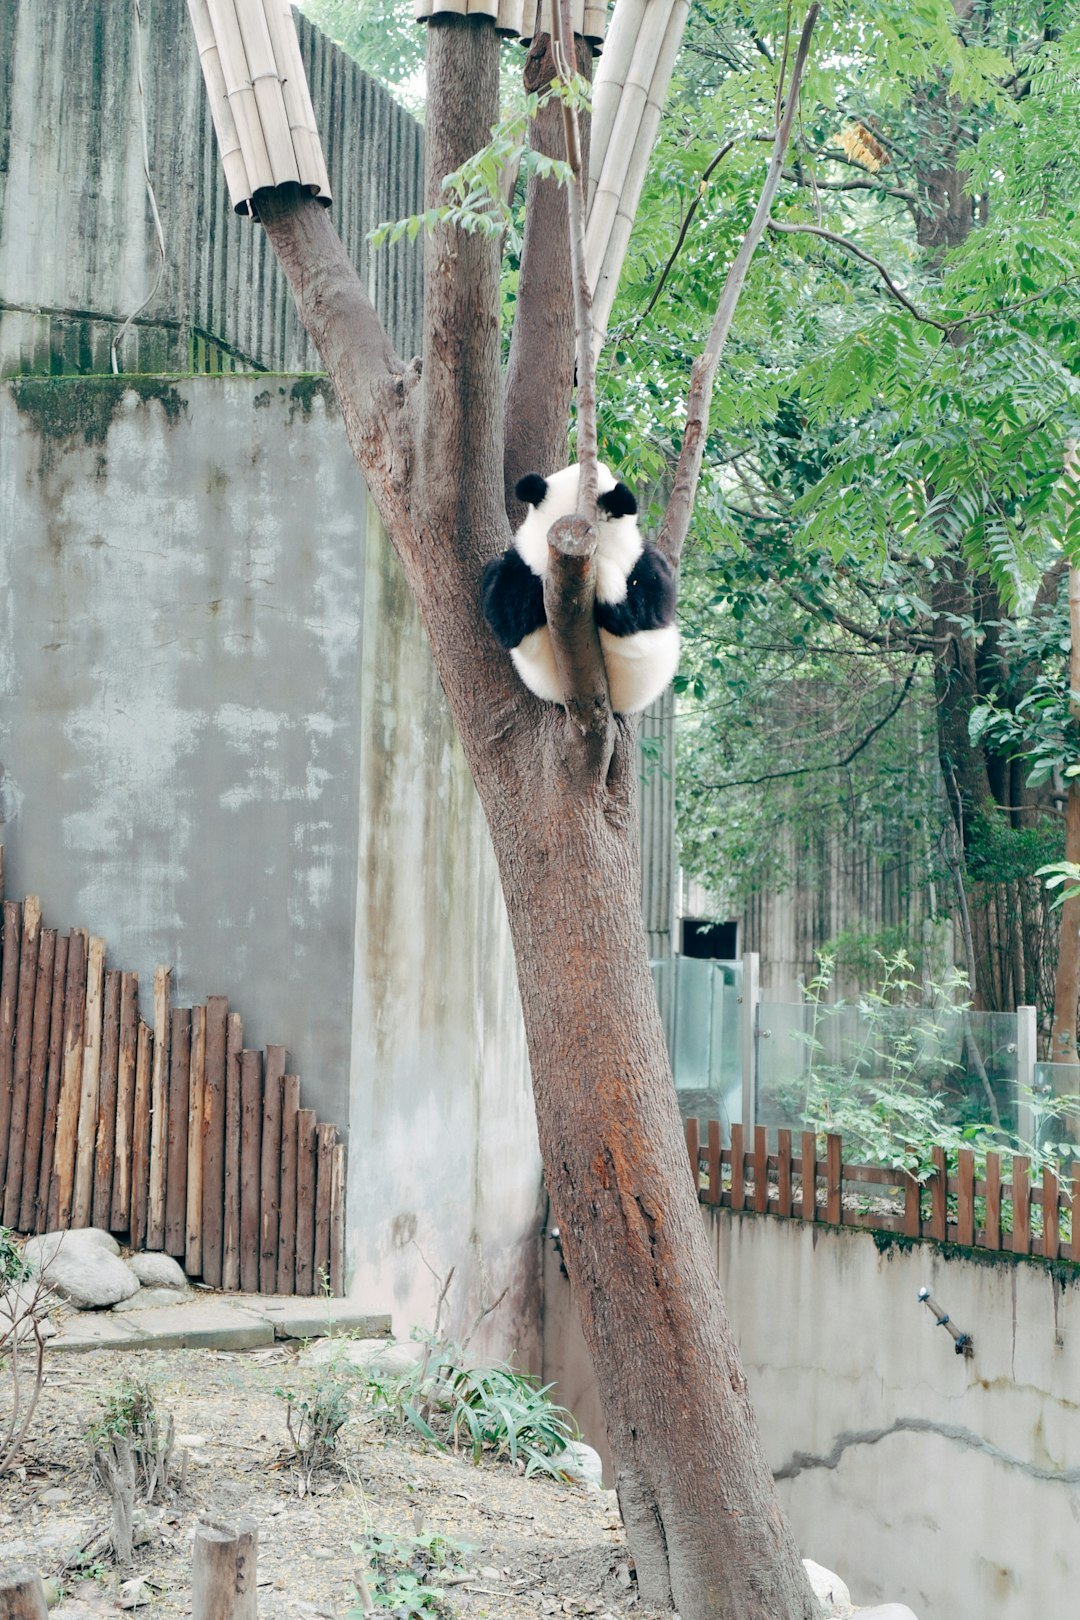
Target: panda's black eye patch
[(618, 502), (532, 489)]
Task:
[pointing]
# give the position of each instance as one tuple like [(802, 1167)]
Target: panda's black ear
[(532, 488), (618, 502)]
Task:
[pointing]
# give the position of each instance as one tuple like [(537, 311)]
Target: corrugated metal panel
[(71, 128)]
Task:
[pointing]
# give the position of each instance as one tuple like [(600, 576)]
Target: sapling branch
[(688, 470), (570, 586)]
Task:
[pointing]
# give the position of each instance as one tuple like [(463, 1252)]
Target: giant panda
[(635, 593)]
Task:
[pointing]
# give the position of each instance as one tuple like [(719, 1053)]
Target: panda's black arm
[(649, 603), (512, 598)]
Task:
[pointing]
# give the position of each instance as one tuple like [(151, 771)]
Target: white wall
[(948, 1484)]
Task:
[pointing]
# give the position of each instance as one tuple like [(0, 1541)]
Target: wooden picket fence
[(173, 1137), (1013, 1216)]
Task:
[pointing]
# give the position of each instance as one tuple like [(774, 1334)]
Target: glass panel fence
[(701, 1006), (873, 1072)]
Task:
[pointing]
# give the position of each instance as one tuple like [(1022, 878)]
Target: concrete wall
[(921, 1477), (77, 245), (223, 746)]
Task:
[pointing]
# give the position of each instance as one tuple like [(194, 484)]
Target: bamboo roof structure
[(518, 17), (263, 117)]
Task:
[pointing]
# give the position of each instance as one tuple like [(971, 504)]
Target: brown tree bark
[(705, 1525)]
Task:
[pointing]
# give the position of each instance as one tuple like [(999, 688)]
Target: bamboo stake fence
[(981, 1212), (174, 1137)]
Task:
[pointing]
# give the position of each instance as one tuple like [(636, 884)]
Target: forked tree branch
[(570, 586), (687, 472), (798, 229), (369, 377)]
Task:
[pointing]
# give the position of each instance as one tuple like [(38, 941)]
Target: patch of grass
[(492, 1410), (315, 1423), (401, 1573)]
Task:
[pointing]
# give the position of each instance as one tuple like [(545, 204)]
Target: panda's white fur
[(639, 666)]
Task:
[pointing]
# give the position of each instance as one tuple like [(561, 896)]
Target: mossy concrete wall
[(948, 1484), (223, 746)]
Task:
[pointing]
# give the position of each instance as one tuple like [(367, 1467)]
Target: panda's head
[(557, 496)]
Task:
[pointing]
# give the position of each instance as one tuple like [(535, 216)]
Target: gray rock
[(158, 1271), (46, 1246), (147, 1298), (389, 1356), (829, 1588), (82, 1267), (886, 1611), (582, 1462)]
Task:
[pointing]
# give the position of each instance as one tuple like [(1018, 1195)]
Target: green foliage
[(383, 36), (879, 1079), (13, 1268), (404, 1573), (477, 190), (492, 1411), (314, 1422), (132, 1419)]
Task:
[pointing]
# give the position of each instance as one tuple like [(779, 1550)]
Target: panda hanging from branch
[(635, 593)]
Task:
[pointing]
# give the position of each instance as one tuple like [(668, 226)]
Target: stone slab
[(315, 1318), (210, 1324)]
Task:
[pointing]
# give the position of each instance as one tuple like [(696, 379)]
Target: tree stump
[(22, 1596), (223, 1576)]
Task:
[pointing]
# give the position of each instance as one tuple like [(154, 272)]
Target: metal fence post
[(751, 995), (1026, 1057)]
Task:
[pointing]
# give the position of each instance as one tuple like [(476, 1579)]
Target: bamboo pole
[(325, 1142), (286, 1255), (224, 1573), (127, 1060), (230, 1263), (91, 1076), (9, 994), (105, 1146), (305, 1201), (250, 1144), (20, 1079), (54, 1072), (67, 1118), (213, 1209), (159, 1111), (39, 1062), (337, 1220), (141, 1136), (176, 1169), (270, 1171), (193, 1263)]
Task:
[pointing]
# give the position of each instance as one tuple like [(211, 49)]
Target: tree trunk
[(697, 1497), (704, 1522)]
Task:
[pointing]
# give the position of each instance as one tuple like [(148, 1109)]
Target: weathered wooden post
[(223, 1576), (22, 1596)]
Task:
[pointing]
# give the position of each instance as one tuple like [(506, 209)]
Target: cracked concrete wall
[(223, 746), (920, 1477)]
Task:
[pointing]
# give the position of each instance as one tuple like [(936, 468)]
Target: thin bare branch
[(680, 506), (882, 189), (684, 227), (829, 764), (570, 586), (542, 339), (867, 258)]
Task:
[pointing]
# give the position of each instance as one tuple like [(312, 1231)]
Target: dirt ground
[(529, 1547)]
